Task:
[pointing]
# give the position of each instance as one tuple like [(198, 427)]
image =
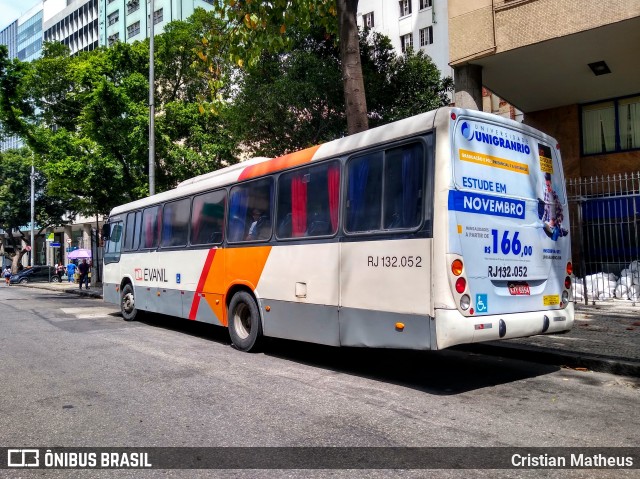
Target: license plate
[(519, 289)]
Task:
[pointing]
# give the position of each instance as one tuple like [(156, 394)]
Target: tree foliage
[(294, 100), (15, 202), (258, 27), (86, 116)]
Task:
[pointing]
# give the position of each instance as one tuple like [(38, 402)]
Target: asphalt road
[(74, 374)]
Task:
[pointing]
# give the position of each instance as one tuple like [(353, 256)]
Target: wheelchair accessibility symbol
[(481, 303)]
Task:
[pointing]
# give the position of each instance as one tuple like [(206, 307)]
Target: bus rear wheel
[(128, 303), (245, 328)]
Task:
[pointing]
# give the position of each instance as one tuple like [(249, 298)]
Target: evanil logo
[(491, 139)]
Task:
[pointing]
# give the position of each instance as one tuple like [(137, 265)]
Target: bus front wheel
[(128, 303), (245, 328)]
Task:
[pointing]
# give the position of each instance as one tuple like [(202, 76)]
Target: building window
[(133, 5), (157, 16), (113, 38), (426, 36), (406, 42), (405, 7), (611, 126), (133, 29), (113, 17), (426, 4), (367, 20)]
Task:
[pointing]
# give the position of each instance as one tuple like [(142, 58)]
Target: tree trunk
[(354, 94)]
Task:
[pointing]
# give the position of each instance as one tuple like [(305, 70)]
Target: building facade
[(29, 40), (419, 24), (23, 37), (568, 64), (128, 20), (72, 22), (9, 38)]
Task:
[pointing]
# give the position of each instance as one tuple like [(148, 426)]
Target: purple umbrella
[(80, 254)]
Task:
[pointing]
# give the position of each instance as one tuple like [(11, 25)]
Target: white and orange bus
[(445, 228)]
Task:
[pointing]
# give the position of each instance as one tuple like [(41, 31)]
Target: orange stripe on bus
[(203, 277), (228, 267), (286, 161)]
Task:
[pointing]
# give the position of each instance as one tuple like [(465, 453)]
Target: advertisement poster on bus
[(508, 215)]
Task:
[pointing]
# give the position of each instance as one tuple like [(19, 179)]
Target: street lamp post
[(33, 209), (152, 139)]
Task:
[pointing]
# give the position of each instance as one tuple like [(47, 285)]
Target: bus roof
[(256, 167)]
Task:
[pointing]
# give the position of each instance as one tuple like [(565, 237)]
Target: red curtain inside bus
[(333, 180), (298, 206)]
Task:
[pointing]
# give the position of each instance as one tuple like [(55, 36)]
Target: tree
[(15, 203), (86, 116), (257, 27), (301, 102), (300, 99)]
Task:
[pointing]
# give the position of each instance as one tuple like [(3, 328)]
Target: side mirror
[(106, 229)]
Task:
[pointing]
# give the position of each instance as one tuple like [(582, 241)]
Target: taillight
[(567, 283), (461, 285), (456, 267), (453, 116), (569, 268)]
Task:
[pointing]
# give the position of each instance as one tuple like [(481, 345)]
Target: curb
[(593, 362)]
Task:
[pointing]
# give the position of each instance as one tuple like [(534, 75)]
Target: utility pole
[(152, 113), (33, 211)]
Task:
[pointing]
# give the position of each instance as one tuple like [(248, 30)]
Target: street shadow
[(198, 329), (56, 297), (442, 373)]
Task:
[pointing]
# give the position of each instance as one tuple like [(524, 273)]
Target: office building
[(72, 22), (128, 20), (419, 24)]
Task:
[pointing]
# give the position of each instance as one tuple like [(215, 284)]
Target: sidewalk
[(604, 338)]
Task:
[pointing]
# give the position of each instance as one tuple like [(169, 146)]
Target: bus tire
[(127, 303), (245, 327)]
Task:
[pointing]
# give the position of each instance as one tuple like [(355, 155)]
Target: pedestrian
[(71, 271), (7, 275), (60, 271), (83, 268)]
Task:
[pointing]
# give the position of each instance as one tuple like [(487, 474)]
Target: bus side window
[(403, 187), (130, 230), (207, 218), (385, 190), (151, 223), (308, 201), (175, 223), (138, 228), (114, 243), (364, 192), (250, 206)]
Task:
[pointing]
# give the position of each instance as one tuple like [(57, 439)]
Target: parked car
[(36, 274)]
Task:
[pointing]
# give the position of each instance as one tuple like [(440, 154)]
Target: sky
[(10, 10)]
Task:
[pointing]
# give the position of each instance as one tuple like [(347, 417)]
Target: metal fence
[(605, 228)]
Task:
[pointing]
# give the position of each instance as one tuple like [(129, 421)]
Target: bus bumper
[(453, 328)]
